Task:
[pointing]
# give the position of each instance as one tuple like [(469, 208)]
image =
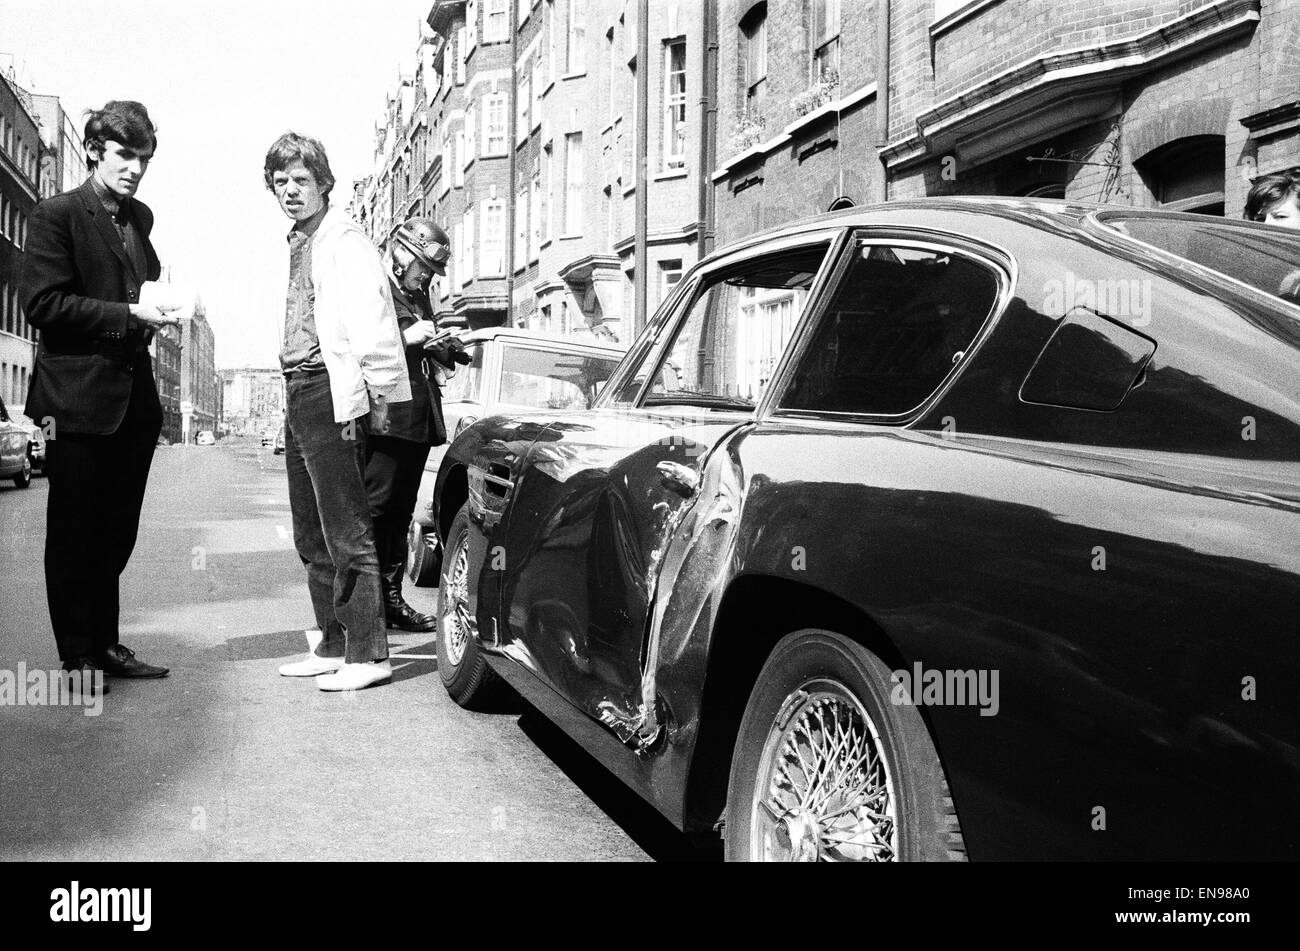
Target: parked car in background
[(278, 449), (940, 529), (37, 434), (206, 438), (268, 438), (16, 448), (510, 369)]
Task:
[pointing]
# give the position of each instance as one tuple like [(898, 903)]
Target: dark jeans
[(394, 468), (96, 489), (331, 521)]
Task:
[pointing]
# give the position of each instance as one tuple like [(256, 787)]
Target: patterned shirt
[(301, 349)]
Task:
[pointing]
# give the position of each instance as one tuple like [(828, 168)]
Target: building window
[(670, 273), (523, 96), (471, 20), (458, 168), (826, 39), (574, 45), (470, 143), (548, 191), (496, 21), (494, 125), (674, 132), (462, 54), (493, 253), (467, 252), (521, 229), (753, 30), (539, 83), (573, 183), (535, 219), (1186, 174)]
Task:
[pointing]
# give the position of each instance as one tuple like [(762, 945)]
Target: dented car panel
[(1123, 573)]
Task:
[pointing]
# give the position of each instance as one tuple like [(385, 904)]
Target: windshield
[(1264, 256), (463, 384), (548, 380)]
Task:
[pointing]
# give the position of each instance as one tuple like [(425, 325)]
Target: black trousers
[(96, 489), (394, 468)]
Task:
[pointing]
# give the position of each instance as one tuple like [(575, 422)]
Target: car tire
[(813, 679), (24, 477), (423, 555), (461, 664)]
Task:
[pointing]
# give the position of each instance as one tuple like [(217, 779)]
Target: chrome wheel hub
[(824, 790)]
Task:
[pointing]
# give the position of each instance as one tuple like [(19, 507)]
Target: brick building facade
[(20, 160), (516, 126), (1155, 103)]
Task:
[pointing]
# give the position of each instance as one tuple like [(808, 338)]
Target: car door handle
[(679, 478)]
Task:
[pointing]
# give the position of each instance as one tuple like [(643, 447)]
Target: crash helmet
[(424, 239)]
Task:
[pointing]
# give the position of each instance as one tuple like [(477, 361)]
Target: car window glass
[(730, 341), (550, 380), (901, 320), (1263, 256), (463, 384)]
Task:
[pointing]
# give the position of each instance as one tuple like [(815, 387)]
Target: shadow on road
[(642, 823), (268, 646)]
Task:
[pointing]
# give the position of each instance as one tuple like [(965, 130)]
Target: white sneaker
[(357, 676), (311, 666)]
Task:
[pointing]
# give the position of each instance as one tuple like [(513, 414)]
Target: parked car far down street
[(37, 434), (510, 369), (919, 531), (16, 448), (206, 438)]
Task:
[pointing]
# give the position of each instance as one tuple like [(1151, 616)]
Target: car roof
[(519, 335)]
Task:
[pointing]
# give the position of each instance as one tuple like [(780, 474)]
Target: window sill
[(630, 190), (570, 237), (550, 84), (545, 244), (671, 174), (574, 75)]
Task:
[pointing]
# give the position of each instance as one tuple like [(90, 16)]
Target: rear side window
[(901, 321), (1264, 256)]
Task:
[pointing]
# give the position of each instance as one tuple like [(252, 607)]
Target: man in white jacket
[(344, 364)]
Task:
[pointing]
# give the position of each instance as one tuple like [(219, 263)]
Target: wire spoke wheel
[(456, 620), (824, 790)]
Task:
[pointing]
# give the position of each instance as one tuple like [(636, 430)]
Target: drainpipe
[(512, 96), (882, 90), (640, 255), (708, 129)]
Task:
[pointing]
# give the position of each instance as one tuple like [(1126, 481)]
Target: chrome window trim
[(834, 238), (994, 257)]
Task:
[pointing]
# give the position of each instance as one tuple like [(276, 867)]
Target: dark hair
[(292, 147), (1267, 190), (122, 120)]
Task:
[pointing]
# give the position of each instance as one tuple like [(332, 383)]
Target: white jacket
[(360, 341)]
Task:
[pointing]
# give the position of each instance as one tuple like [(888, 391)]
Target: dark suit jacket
[(76, 284)]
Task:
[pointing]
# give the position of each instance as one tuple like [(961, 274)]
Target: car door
[(596, 504)]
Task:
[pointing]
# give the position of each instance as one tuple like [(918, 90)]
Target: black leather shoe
[(405, 618), (87, 669), (119, 661)]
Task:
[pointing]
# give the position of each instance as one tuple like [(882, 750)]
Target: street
[(224, 759)]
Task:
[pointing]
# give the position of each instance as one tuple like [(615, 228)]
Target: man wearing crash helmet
[(416, 252)]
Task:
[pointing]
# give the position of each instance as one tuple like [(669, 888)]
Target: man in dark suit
[(88, 254)]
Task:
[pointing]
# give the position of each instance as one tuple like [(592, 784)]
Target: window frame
[(672, 102), (995, 259), (662, 331)]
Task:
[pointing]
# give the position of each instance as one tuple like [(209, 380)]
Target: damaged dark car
[(942, 529)]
